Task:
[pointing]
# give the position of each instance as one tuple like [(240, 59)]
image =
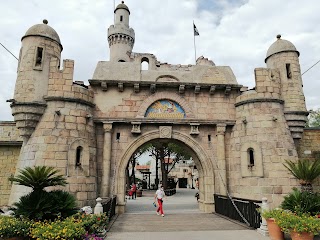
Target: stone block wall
[(8, 160), (309, 148), (128, 104), (66, 125), (10, 145), (262, 127)]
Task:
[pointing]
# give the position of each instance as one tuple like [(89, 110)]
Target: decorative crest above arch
[(168, 97), (165, 109)]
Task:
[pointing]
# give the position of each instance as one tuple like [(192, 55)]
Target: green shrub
[(66, 229), (42, 205), (93, 223), (273, 213), (14, 227), (302, 202), (289, 222)]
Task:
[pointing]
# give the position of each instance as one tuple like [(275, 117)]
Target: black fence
[(248, 209), (170, 192), (109, 206)]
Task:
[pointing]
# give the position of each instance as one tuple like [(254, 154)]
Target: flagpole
[(194, 44)]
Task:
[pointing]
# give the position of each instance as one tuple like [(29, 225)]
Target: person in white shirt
[(158, 197)]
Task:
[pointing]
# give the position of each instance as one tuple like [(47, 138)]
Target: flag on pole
[(195, 30)]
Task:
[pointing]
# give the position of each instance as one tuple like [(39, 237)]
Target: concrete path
[(182, 220)]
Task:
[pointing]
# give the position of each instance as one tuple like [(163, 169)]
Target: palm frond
[(39, 177), (304, 170)]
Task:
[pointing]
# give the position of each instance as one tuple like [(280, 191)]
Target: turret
[(40, 43), (283, 55), (120, 35)]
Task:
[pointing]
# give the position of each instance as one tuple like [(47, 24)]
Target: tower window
[(78, 156), (118, 136), (209, 138), (251, 157), (39, 56), (121, 18), (288, 70), (144, 63)]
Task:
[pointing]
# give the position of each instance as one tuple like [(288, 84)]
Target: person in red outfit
[(160, 194), (134, 191)]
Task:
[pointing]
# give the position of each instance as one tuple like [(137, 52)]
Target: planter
[(275, 232), (301, 236), (139, 193)]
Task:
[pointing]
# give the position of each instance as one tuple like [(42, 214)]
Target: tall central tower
[(120, 35)]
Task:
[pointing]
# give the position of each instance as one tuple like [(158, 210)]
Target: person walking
[(160, 194), (134, 191)]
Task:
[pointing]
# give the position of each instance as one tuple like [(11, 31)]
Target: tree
[(40, 204), (313, 118), (39, 177), (306, 171), (131, 178), (163, 153)]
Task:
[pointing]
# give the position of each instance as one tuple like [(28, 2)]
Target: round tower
[(120, 35), (40, 43), (283, 55)]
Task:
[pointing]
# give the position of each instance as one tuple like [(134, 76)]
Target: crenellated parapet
[(120, 38), (267, 88), (62, 88)]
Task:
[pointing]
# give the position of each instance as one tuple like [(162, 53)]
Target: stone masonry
[(238, 138)]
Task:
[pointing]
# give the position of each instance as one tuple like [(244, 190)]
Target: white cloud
[(234, 33)]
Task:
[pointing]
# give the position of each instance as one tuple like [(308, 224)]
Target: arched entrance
[(201, 159)]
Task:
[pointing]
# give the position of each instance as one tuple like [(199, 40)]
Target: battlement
[(61, 85)]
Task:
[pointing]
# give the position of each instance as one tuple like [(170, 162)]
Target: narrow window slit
[(39, 56)]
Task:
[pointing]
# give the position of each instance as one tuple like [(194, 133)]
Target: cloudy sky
[(235, 33)]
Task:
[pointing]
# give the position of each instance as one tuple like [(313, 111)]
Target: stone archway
[(202, 161)]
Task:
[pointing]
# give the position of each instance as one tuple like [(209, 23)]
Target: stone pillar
[(221, 158), (98, 209), (263, 227), (106, 161)]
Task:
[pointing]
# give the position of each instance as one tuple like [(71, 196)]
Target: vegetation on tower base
[(44, 215)]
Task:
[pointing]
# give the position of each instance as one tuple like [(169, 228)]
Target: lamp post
[(192, 187)]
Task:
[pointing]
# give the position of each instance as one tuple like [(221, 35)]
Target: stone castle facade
[(238, 138)]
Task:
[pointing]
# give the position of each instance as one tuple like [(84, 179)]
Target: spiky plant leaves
[(304, 170), (301, 202), (39, 177), (36, 205), (42, 205), (65, 203)]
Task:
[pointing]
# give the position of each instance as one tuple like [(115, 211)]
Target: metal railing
[(109, 206), (170, 192), (248, 209)]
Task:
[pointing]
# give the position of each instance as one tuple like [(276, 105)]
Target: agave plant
[(305, 171), (39, 177)]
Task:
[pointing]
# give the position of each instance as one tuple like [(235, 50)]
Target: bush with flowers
[(78, 226), (14, 227), (291, 222)]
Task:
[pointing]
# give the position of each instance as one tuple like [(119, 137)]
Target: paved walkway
[(182, 221)]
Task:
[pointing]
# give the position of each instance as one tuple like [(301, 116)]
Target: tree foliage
[(313, 118), (163, 153), (304, 170), (40, 204), (39, 177)]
